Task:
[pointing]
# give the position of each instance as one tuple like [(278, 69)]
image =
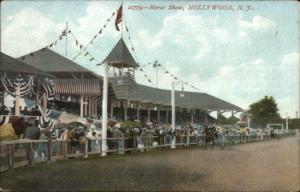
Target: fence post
[(30, 154), (49, 150), (11, 156), (86, 149)]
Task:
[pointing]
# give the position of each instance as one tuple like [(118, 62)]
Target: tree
[(264, 111)]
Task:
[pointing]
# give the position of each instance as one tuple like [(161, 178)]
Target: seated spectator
[(25, 111)]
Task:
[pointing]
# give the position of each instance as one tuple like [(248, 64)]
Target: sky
[(238, 55)]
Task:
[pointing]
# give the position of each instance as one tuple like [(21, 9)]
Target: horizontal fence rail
[(20, 153)]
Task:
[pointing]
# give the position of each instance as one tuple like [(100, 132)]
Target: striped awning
[(78, 86)]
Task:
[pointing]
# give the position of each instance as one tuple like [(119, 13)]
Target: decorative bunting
[(92, 41)]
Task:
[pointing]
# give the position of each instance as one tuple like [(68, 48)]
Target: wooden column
[(45, 102), (192, 116), (93, 106), (125, 110), (158, 114), (90, 106), (81, 105), (149, 113), (37, 93), (167, 115), (96, 107), (112, 109), (138, 112), (85, 105), (17, 100)]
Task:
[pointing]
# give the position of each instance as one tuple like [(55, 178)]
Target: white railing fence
[(20, 153)]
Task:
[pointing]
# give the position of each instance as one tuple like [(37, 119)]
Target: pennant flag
[(104, 26), (100, 31), (108, 20), (63, 33), (175, 77), (51, 45), (132, 48), (126, 28), (166, 72), (80, 46), (69, 31), (60, 37), (119, 17), (113, 13), (86, 53), (76, 43), (149, 80), (91, 59), (141, 69), (145, 75), (95, 36), (55, 42)]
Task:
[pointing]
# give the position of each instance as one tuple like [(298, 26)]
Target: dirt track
[(265, 166)]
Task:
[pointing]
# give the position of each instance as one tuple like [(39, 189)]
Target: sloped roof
[(120, 56), (130, 90), (47, 60), (12, 65)]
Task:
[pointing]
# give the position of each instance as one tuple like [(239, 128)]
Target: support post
[(149, 114), (81, 105), (158, 114), (192, 116), (287, 122), (45, 102), (125, 110), (167, 115), (112, 109), (104, 110), (138, 111), (85, 105), (17, 100), (90, 106), (37, 93), (173, 146)]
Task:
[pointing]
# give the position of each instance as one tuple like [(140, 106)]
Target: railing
[(20, 153)]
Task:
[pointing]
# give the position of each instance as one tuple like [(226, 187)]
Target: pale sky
[(237, 55)]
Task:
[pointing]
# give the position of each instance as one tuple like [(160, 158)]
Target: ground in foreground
[(265, 166)]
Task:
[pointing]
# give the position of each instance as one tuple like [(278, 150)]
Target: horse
[(209, 136), (244, 134)]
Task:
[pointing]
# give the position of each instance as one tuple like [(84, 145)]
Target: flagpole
[(66, 38), (122, 20)]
